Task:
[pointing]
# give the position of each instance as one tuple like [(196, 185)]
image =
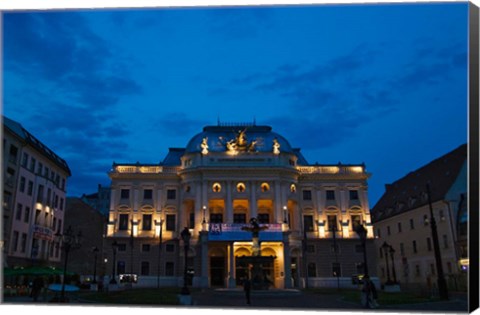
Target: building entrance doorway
[(217, 271)]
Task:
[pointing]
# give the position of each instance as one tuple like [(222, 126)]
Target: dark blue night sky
[(384, 84)]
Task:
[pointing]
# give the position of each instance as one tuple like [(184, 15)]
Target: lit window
[(217, 187), (293, 188), (265, 187), (241, 187)]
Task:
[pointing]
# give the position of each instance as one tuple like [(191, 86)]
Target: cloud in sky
[(125, 85)]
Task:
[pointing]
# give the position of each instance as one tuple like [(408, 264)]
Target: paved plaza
[(286, 299)]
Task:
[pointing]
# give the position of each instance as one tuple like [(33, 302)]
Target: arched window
[(216, 187), (241, 187), (265, 187)]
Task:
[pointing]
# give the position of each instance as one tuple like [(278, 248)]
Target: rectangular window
[(170, 248), (23, 244), (171, 194), (170, 222), (40, 193), (412, 224), (49, 196), (25, 160), (147, 194), (307, 195), (449, 267), (19, 212), (46, 172), (37, 216), (26, 218), (356, 221), (61, 203), (388, 230), (21, 187), (417, 270), (432, 269), (169, 268), (147, 222), (330, 194), (402, 250), (120, 267), (399, 226), (332, 223), (445, 241), (32, 164), (30, 188), (378, 233), (414, 245), (191, 220), (123, 222), (122, 247), (336, 271), (15, 241), (40, 168), (429, 244), (218, 218), (310, 248), (145, 269), (124, 194), (264, 218), (239, 218), (308, 223), (380, 252), (13, 154), (353, 194), (145, 247), (312, 270)]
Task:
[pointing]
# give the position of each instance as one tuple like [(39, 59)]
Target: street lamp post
[(95, 252), (186, 244), (334, 234), (442, 284), (114, 249), (362, 234), (160, 223), (70, 241), (386, 248)]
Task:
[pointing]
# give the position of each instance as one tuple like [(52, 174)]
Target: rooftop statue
[(276, 147), (204, 145)]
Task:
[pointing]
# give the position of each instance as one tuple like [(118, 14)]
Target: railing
[(134, 169), (331, 169)]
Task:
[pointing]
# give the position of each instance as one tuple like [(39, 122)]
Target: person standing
[(247, 287)]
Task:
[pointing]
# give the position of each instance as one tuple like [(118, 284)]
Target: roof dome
[(248, 138)]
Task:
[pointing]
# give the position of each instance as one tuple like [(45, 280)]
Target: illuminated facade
[(34, 184), (226, 175), (402, 219)]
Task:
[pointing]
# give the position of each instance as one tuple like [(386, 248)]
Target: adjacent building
[(100, 200), (87, 260), (402, 219), (226, 175), (34, 187)]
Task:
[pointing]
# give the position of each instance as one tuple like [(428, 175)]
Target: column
[(229, 204), (203, 281), (287, 261), (231, 266), (253, 200), (279, 203)]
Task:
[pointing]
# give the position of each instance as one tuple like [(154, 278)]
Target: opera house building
[(193, 216)]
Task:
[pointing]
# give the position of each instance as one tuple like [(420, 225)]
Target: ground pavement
[(286, 299)]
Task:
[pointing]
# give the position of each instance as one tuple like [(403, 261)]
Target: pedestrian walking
[(247, 287), (369, 294)]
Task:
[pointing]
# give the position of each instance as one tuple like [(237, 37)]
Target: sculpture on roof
[(204, 145), (240, 143), (276, 147)]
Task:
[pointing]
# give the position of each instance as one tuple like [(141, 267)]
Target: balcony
[(234, 232)]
